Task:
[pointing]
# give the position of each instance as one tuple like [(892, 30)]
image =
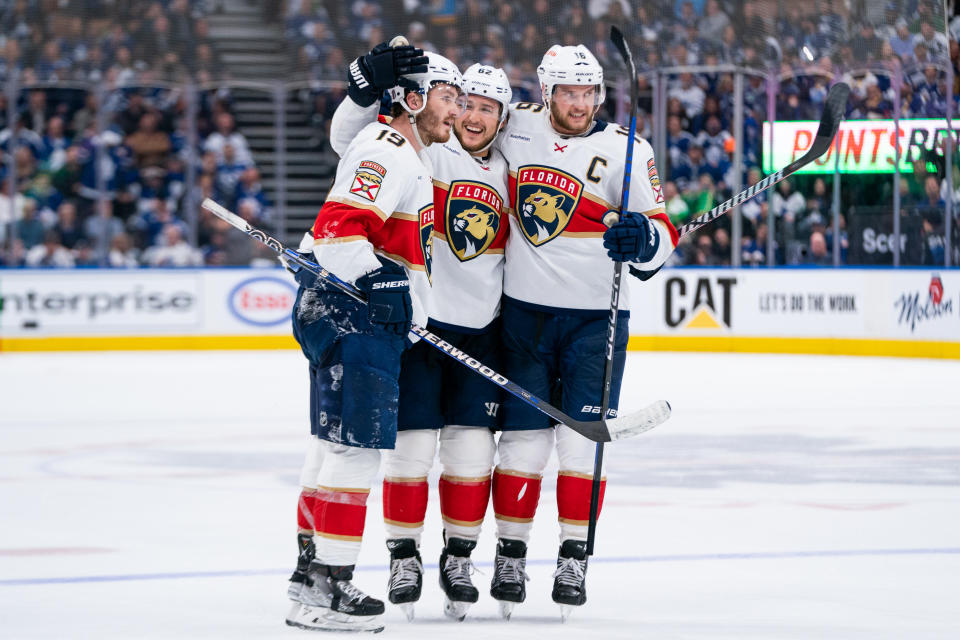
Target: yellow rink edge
[(725, 344)]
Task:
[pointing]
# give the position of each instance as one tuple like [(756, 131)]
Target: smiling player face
[(572, 108), (479, 123)]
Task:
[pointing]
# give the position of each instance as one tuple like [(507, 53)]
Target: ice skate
[(299, 579), (406, 574), (455, 570), (569, 583), (510, 575), (332, 603)]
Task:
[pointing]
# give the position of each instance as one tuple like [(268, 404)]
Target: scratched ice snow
[(152, 495)]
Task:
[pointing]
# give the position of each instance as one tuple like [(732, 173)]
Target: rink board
[(902, 312)]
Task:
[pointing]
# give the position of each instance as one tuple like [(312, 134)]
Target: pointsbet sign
[(864, 146)]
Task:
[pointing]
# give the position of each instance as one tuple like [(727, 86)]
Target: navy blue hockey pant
[(558, 355)]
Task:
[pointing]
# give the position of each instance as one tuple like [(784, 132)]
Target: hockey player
[(438, 395), (375, 231), (566, 172)]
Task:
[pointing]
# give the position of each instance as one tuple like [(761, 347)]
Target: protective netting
[(119, 116)]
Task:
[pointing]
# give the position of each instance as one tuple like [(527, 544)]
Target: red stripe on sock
[(405, 503), (464, 500), (573, 497), (515, 496), (306, 507), (340, 513)]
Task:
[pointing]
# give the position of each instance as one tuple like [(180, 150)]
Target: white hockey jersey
[(470, 226), (560, 187), (381, 204)]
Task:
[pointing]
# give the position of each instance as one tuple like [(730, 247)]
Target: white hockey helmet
[(440, 70), (570, 65), (491, 82)]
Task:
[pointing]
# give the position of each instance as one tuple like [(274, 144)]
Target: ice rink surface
[(152, 495)]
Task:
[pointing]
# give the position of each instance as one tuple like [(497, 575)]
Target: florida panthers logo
[(426, 237), (545, 201), (472, 218)]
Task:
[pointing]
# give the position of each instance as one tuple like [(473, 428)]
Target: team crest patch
[(367, 180), (426, 237), (546, 200), (654, 180), (472, 218)]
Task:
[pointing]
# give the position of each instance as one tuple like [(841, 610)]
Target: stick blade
[(634, 424), (616, 36), (833, 109)]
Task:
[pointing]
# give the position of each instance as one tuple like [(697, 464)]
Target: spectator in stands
[(22, 137), (55, 144), (678, 140), (786, 203), (149, 145), (225, 134), (874, 105), (690, 95), (49, 253), (122, 253), (150, 221), (687, 172), (713, 23), (68, 225), (713, 139), (902, 41), (174, 250), (251, 199), (677, 208), (229, 171), (816, 251), (935, 42), (28, 228), (866, 44), (101, 227), (702, 196)]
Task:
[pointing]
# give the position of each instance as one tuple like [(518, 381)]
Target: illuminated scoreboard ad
[(865, 146)]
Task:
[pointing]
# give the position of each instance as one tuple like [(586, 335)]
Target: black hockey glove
[(388, 295), (632, 238), (383, 68)]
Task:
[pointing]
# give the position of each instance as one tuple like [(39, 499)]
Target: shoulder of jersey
[(525, 110), (381, 141), (613, 134)]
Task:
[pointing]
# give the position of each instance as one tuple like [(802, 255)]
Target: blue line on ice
[(771, 555)]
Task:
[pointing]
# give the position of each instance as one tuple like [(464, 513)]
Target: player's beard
[(483, 144), (569, 127), (431, 128)]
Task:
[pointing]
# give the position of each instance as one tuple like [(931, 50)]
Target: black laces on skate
[(404, 572), (571, 572)]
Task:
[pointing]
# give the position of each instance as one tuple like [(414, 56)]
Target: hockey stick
[(609, 220), (833, 108), (598, 431)]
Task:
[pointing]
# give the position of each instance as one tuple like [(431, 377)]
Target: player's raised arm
[(384, 68)]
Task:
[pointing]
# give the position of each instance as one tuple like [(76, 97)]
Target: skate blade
[(407, 608), (565, 611), (506, 609), (456, 610), (322, 619)]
